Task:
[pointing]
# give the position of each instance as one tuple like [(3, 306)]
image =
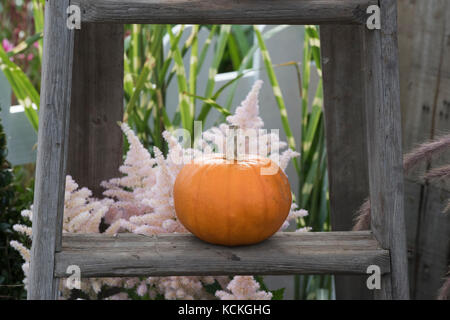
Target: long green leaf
[(136, 39), (193, 68), (314, 44), (313, 124), (233, 49), (277, 93), (202, 117), (185, 110), (221, 43), (173, 45), (205, 48), (248, 58), (24, 45), (142, 79), (38, 17), (22, 87), (212, 103), (243, 43)]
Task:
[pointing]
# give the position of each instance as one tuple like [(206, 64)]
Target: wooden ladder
[(351, 253)]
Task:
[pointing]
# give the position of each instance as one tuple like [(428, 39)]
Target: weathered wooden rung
[(181, 254), (225, 11)]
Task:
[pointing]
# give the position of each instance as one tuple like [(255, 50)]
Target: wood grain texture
[(428, 238), (433, 245), (383, 114), (425, 98), (95, 139), (170, 255), (425, 77), (412, 205), (225, 11), (52, 150), (425, 73), (422, 24), (345, 128)]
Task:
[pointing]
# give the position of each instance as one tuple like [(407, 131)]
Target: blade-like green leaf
[(277, 93), (142, 79), (193, 68), (185, 110), (173, 45), (206, 47), (38, 17), (313, 124), (221, 43), (24, 91), (24, 45), (212, 103), (242, 40), (233, 49), (248, 58), (202, 117)]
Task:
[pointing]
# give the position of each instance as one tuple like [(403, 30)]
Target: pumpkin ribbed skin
[(229, 202)]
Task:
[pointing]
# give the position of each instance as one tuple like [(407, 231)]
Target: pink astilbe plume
[(247, 119), (141, 202), (162, 219), (129, 190), (243, 288), (82, 214), (187, 288), (294, 215), (247, 114), (137, 168)]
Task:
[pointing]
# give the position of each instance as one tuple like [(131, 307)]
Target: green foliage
[(6, 175), (14, 197), (212, 288), (313, 174), (149, 72), (277, 93), (277, 294), (25, 84), (22, 87)]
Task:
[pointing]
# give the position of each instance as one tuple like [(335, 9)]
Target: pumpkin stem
[(234, 132)]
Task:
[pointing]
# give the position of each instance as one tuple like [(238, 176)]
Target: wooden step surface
[(183, 254)]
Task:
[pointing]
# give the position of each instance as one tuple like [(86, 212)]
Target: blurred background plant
[(15, 195), (19, 27), (21, 51), (155, 56)]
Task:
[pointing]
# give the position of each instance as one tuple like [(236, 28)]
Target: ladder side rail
[(52, 150), (384, 144)]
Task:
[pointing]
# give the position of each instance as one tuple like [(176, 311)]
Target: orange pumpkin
[(230, 202)]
